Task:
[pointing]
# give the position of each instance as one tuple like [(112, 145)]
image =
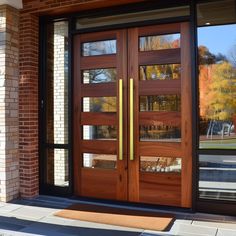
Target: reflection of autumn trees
[(217, 82), (99, 48), (102, 75), (159, 42), (232, 54), (161, 72), (222, 94), (103, 104)]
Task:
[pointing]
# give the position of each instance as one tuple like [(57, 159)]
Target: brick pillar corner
[(9, 119)]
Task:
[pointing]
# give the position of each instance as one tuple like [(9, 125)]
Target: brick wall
[(28, 105), (9, 73)]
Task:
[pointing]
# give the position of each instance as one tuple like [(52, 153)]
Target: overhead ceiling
[(14, 3)]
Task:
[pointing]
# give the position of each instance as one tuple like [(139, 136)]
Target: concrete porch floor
[(35, 217)]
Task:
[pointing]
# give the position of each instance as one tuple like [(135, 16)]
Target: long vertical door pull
[(120, 119), (131, 119)]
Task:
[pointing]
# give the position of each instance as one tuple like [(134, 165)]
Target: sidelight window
[(56, 109), (217, 100)]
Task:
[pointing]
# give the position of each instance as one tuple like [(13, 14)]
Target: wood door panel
[(154, 118), (160, 149), (99, 183), (159, 30), (122, 165), (98, 118), (98, 146), (133, 165), (160, 57), (96, 62), (159, 87), (98, 90), (93, 37), (165, 179), (163, 189)]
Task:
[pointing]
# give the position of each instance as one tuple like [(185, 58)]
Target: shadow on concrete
[(17, 226)]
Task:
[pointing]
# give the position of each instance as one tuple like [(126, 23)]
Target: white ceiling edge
[(14, 3)]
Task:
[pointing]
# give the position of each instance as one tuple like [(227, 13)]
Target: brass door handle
[(120, 119), (131, 119)]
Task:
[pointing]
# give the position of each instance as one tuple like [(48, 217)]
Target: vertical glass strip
[(57, 83)]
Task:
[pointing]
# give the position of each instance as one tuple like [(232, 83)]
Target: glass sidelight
[(217, 179), (217, 105), (55, 104)]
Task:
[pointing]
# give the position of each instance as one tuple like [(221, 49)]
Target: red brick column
[(28, 105)]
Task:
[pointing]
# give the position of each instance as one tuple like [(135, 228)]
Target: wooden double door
[(132, 115)]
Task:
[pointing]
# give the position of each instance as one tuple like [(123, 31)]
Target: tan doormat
[(117, 216)]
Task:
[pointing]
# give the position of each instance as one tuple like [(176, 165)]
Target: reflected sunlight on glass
[(101, 161), (99, 76), (99, 104), (161, 133), (160, 72), (160, 103), (99, 48), (160, 164), (99, 132), (159, 42)]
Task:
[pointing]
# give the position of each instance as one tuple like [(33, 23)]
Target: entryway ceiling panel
[(14, 3)]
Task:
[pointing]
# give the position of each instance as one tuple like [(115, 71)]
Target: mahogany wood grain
[(98, 146), (165, 149), (160, 57), (98, 118), (93, 37), (99, 183), (98, 90), (186, 105), (133, 72), (159, 30), (165, 179), (95, 62), (159, 87), (160, 188), (157, 118), (122, 165)]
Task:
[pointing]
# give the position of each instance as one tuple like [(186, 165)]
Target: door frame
[(68, 191)]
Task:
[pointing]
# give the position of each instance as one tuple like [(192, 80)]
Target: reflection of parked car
[(220, 128)]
